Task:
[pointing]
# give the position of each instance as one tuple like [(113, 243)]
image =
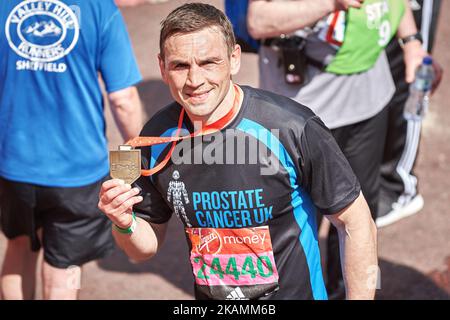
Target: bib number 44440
[(230, 268)]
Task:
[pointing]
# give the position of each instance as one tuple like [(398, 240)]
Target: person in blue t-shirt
[(53, 148)]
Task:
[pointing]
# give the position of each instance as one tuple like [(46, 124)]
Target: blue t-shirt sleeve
[(118, 64)]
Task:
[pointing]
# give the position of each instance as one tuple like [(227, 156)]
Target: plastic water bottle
[(419, 91)]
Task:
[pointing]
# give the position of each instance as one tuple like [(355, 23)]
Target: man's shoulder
[(272, 110), (164, 120)]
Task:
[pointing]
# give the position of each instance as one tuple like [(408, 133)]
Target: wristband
[(131, 228), (407, 39)]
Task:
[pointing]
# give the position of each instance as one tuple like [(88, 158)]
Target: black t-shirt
[(248, 197)]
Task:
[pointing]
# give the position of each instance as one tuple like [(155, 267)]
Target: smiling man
[(197, 67), (250, 235)]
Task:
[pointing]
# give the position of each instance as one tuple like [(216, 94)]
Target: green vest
[(368, 31)]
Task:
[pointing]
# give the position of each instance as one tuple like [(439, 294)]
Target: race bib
[(233, 264)]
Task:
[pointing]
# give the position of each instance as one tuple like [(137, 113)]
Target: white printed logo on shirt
[(42, 32), (236, 294), (176, 192)]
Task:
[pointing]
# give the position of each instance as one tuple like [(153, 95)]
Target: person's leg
[(396, 178), (363, 144), (399, 196), (392, 183), (18, 275), (18, 223), (60, 283), (75, 232)]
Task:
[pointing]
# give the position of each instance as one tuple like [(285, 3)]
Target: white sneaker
[(399, 211)]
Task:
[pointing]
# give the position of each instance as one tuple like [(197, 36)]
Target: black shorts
[(74, 230)]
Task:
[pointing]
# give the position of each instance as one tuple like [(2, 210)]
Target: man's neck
[(225, 106)]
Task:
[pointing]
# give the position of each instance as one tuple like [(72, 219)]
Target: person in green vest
[(329, 55)]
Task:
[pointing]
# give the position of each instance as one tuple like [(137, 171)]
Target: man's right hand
[(346, 4), (116, 200)]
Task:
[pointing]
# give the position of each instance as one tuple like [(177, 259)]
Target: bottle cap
[(427, 61)]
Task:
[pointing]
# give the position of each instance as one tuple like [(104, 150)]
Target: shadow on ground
[(171, 263), (404, 283)]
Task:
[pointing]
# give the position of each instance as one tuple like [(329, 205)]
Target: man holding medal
[(250, 225)]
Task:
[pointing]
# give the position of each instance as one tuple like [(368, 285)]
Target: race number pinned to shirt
[(236, 264)]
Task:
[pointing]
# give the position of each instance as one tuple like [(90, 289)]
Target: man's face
[(198, 69)]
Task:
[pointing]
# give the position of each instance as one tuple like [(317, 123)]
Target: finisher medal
[(125, 164)]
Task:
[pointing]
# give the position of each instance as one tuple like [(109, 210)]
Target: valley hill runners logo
[(42, 31)]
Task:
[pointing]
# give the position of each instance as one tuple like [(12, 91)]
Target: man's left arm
[(335, 191), (358, 249), (413, 51)]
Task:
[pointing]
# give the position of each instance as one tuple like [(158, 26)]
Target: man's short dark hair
[(192, 17)]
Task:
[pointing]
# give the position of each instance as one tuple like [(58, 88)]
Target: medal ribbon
[(208, 129)]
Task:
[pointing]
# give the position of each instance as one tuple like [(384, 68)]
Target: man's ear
[(235, 60), (162, 68)]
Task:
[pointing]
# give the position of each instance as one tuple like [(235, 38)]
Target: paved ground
[(414, 253)]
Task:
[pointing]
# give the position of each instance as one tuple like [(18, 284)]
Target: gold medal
[(125, 164)]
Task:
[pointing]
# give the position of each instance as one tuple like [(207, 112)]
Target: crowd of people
[(333, 83)]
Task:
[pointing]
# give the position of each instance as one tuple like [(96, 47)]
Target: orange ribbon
[(208, 129)]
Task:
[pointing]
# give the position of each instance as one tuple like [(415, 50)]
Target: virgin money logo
[(209, 241), (42, 31)]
